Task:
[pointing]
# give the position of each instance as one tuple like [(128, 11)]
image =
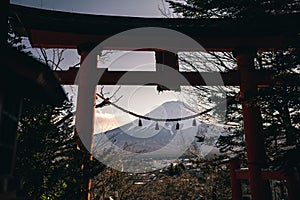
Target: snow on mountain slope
[(133, 142)]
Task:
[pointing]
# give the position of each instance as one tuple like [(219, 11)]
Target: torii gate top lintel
[(56, 29)]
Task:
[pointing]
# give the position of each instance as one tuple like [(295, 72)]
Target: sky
[(141, 8)]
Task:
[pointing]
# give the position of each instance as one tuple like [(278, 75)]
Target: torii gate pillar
[(260, 189), (83, 50)]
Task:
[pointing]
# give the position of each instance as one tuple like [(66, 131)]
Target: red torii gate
[(244, 37)]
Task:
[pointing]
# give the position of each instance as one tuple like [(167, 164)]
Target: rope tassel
[(156, 126), (177, 126), (194, 122), (140, 122)]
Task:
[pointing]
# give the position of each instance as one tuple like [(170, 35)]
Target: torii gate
[(244, 37)]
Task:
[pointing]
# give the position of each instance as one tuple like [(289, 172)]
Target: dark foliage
[(231, 8)]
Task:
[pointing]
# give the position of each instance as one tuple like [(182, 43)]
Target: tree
[(47, 160), (176, 181), (228, 8)]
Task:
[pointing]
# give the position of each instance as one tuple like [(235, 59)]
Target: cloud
[(104, 122), (104, 115)]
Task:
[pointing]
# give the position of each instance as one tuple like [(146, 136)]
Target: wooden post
[(236, 186), (169, 59), (260, 189), (83, 51)]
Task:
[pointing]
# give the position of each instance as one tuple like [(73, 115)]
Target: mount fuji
[(134, 142)]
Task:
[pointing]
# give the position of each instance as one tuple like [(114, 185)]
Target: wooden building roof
[(23, 75)]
